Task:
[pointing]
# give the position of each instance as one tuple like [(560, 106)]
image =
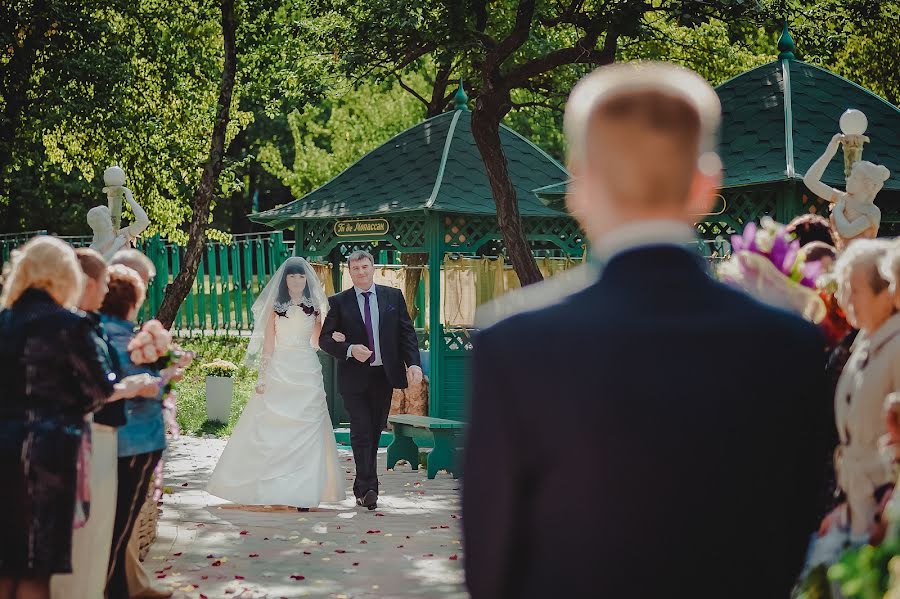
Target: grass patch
[(192, 390)]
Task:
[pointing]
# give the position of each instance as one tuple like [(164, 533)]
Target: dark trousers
[(135, 473), (368, 411)]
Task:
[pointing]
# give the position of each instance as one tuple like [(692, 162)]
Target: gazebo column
[(298, 238), (434, 242)]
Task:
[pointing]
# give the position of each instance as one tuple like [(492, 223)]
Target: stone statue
[(853, 213), (108, 237)]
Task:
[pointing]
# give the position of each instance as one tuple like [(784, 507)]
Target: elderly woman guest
[(52, 378), (872, 372), (142, 438)]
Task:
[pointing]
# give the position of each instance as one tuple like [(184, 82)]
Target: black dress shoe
[(369, 500), (303, 509)]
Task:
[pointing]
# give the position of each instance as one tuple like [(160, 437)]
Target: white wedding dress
[(282, 450)]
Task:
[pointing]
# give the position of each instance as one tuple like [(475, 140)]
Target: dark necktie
[(369, 330)]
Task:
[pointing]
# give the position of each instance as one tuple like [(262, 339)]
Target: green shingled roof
[(759, 105), (434, 165), (778, 118)]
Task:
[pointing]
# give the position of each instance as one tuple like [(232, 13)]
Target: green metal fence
[(229, 277)]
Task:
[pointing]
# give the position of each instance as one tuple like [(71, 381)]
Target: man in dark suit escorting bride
[(379, 353)]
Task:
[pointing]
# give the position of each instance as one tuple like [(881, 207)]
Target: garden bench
[(445, 434)]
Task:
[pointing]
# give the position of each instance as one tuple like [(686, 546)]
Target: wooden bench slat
[(426, 422)]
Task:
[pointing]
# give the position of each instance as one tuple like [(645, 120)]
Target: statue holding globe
[(105, 220), (854, 214)]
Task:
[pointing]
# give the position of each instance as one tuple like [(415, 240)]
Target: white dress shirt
[(373, 308), (643, 233)]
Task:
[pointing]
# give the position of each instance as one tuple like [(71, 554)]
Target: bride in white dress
[(282, 450)]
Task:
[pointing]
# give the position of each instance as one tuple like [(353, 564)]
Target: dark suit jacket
[(655, 435), (397, 338)]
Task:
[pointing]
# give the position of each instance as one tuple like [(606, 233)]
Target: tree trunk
[(412, 277), (486, 130), (203, 196)]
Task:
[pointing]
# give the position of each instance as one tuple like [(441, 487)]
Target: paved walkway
[(409, 547)]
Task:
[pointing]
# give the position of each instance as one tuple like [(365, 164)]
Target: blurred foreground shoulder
[(535, 297)]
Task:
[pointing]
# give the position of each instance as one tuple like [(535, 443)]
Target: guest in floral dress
[(52, 379)]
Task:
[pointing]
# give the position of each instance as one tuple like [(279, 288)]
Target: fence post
[(156, 251)]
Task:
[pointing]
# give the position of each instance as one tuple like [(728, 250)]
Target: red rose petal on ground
[(355, 563), (184, 484), (296, 577), (236, 577), (210, 556), (204, 577), (454, 516), (339, 551), (307, 553), (408, 537), (363, 542), (428, 555), (253, 555), (433, 527), (196, 586), (399, 546), (245, 532), (202, 596), (454, 557), (158, 572), (444, 526), (216, 563), (379, 514), (179, 554), (161, 576)]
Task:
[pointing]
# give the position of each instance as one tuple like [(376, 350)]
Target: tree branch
[(518, 36), (414, 93), (583, 52)]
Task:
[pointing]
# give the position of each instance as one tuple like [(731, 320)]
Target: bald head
[(137, 262)]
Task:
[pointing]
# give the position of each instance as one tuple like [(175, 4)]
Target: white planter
[(219, 391)]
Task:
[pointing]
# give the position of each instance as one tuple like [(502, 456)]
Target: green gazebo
[(777, 120), (425, 191)]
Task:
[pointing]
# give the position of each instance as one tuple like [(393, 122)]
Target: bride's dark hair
[(284, 294)]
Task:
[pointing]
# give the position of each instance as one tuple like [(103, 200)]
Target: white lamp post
[(853, 125), (114, 178)]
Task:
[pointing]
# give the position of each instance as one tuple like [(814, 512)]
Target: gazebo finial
[(461, 100), (786, 45)]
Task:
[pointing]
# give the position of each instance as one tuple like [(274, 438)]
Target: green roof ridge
[(446, 153), (788, 120)]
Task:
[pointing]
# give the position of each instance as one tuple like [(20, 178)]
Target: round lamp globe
[(114, 176), (854, 122)]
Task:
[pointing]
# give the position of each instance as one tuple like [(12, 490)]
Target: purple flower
[(746, 241), (811, 272), (787, 265)]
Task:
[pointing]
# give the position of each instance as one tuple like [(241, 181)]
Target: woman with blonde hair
[(52, 378)]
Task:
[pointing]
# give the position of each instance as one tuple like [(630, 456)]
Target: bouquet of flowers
[(767, 263)]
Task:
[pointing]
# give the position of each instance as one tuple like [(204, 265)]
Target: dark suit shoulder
[(756, 312)]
